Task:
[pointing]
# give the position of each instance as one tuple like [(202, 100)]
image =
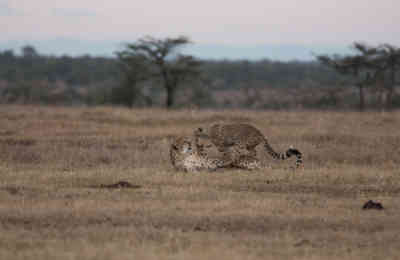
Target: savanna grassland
[(56, 163)]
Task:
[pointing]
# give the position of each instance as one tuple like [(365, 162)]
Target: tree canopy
[(150, 58)]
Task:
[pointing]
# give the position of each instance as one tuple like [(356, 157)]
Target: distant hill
[(284, 52)]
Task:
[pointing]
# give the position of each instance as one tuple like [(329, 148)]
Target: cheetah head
[(182, 146), (185, 156)]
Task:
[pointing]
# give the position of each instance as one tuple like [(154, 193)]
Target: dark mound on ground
[(118, 185), (372, 205)]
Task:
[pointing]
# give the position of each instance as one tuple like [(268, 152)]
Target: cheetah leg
[(252, 152), (236, 152), (247, 162), (233, 154), (226, 159)]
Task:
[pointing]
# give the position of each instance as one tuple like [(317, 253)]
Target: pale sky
[(228, 22)]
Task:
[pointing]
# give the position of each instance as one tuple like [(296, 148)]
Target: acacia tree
[(364, 67), (369, 65), (389, 62), (161, 59)]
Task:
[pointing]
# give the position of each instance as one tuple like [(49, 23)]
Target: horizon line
[(206, 51)]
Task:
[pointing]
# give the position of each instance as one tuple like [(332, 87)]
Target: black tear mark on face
[(186, 148), (189, 144)]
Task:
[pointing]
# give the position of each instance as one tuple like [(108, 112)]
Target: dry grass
[(53, 162)]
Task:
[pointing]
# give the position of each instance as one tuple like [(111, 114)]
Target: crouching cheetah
[(185, 156), (238, 142)]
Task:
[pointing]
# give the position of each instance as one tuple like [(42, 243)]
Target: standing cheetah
[(238, 142)]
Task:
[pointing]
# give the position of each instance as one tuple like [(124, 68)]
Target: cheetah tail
[(293, 151), (283, 156)]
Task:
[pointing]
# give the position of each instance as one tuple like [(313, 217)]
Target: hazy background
[(285, 29)]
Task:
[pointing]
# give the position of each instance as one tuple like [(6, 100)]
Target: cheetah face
[(183, 147), (186, 148), (180, 149)]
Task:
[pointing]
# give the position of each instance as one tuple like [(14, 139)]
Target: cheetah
[(186, 156), (237, 143), (206, 148)]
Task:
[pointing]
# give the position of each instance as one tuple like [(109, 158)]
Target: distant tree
[(389, 63), (7, 57), (29, 51), (150, 58), (135, 69), (362, 66), (370, 65), (8, 68)]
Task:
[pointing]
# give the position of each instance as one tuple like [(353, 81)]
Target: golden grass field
[(53, 161)]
